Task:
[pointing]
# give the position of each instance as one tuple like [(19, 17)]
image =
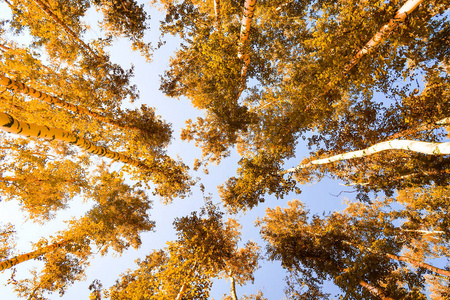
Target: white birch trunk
[(374, 291), (379, 37), (384, 32), (9, 263), (233, 289), (181, 292), (416, 146), (29, 91), (249, 11), (11, 125), (69, 31)]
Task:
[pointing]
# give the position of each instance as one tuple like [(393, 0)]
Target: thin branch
[(421, 127), (349, 192), (4, 48), (9, 124), (283, 5), (69, 31)]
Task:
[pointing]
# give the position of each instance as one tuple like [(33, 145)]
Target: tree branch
[(416, 146)]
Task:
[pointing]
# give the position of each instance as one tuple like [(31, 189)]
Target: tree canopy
[(276, 96)]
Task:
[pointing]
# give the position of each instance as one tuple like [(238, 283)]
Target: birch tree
[(322, 245), (154, 129), (115, 222), (41, 182), (127, 19), (206, 248), (7, 240), (168, 185), (9, 263), (416, 146), (297, 53)]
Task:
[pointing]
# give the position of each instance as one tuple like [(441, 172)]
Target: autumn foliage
[(360, 89)]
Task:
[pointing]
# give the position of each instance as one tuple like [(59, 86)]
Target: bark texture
[(416, 146)]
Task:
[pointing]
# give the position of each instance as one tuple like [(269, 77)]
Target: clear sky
[(269, 278)]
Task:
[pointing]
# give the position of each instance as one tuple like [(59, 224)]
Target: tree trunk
[(181, 292), (11, 125), (416, 146), (421, 127), (29, 91), (374, 290), (184, 285), (383, 33), (419, 264), (249, 11), (69, 31), (217, 13), (379, 37), (233, 289), (9, 263)]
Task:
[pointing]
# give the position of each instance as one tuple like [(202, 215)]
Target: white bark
[(249, 11), (379, 37), (283, 5), (374, 291), (416, 146), (65, 28), (384, 32), (181, 292), (233, 289)]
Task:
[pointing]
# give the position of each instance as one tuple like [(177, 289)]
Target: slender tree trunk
[(421, 127), (413, 262), (9, 263), (419, 264), (217, 13), (374, 290), (233, 289), (424, 232), (383, 33), (379, 37), (29, 91), (416, 146), (181, 292), (184, 285), (249, 11), (11, 125), (69, 31)]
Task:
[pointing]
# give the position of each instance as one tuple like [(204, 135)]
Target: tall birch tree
[(115, 222), (322, 246)]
